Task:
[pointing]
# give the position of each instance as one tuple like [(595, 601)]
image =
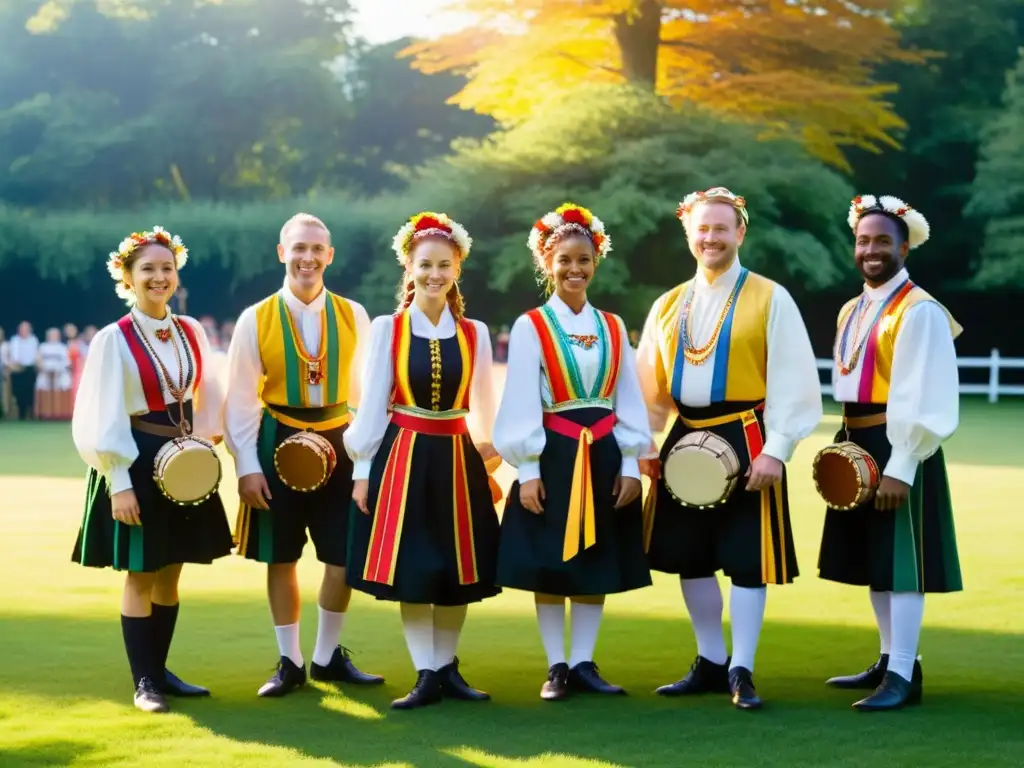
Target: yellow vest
[(741, 358), (875, 362), (285, 380)]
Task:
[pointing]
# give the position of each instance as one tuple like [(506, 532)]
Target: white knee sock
[(746, 613), (551, 622), (907, 615), (448, 621), (586, 621), (288, 642), (881, 605), (418, 628), (703, 601), (328, 635)]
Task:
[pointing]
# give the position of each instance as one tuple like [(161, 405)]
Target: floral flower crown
[(426, 224), (715, 195), (134, 241), (568, 218), (917, 225)]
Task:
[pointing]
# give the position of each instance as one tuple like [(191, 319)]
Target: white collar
[(724, 281), (882, 292), (295, 304), (445, 325), (564, 310), (151, 323)]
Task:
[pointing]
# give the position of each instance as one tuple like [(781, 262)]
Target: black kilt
[(911, 549), (530, 556), (170, 534), (426, 569), (696, 543), (278, 535)]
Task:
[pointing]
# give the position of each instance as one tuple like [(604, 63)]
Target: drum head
[(837, 478), (192, 475), (695, 477), (301, 465)]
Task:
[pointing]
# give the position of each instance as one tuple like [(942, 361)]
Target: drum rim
[(158, 479), (328, 470), (836, 449)]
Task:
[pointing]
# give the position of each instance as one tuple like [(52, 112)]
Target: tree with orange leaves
[(798, 68)]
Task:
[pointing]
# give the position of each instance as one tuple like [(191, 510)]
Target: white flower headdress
[(713, 195), (568, 218), (917, 225), (426, 224), (117, 259)]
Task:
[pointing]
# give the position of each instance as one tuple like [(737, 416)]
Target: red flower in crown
[(575, 216), (429, 222)]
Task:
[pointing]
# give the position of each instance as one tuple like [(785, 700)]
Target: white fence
[(994, 389)]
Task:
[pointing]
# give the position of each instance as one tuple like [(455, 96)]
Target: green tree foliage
[(108, 104), (624, 153), (998, 192), (947, 104)]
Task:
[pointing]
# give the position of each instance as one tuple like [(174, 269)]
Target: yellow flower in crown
[(430, 223), (569, 216), (134, 241)]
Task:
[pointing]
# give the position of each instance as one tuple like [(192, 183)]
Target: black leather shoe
[(741, 686), (175, 686), (584, 677), (426, 691), (340, 669), (454, 685), (148, 697), (288, 677), (895, 692), (704, 677), (867, 680), (556, 686)]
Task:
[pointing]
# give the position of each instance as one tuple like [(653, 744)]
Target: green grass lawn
[(65, 689)]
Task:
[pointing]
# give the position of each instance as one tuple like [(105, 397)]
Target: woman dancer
[(428, 533), (572, 420), (142, 385)]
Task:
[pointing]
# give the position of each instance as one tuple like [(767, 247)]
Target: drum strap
[(160, 430), (316, 426), (389, 513), (864, 422), (581, 498)]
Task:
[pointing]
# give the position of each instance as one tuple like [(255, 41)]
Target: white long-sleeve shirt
[(243, 410), (519, 435), (793, 406), (923, 409), (111, 392), (364, 435)]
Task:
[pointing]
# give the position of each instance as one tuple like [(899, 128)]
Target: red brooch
[(163, 334)]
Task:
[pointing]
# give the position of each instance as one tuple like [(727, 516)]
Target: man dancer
[(294, 364), (896, 375), (729, 353)]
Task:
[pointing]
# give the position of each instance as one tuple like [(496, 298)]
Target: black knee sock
[(138, 643), (164, 619)]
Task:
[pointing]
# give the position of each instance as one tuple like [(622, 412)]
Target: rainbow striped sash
[(867, 364), (560, 367)]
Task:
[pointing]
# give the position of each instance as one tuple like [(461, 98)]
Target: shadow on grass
[(59, 752), (972, 709)]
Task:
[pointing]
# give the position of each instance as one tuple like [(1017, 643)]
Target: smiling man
[(293, 373), (896, 375), (729, 354)]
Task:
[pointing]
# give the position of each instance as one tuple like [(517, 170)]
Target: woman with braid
[(145, 381), (426, 534)]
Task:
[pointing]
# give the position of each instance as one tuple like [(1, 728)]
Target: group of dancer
[(398, 429)]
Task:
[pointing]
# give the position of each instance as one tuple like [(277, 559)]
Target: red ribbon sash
[(389, 514)]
